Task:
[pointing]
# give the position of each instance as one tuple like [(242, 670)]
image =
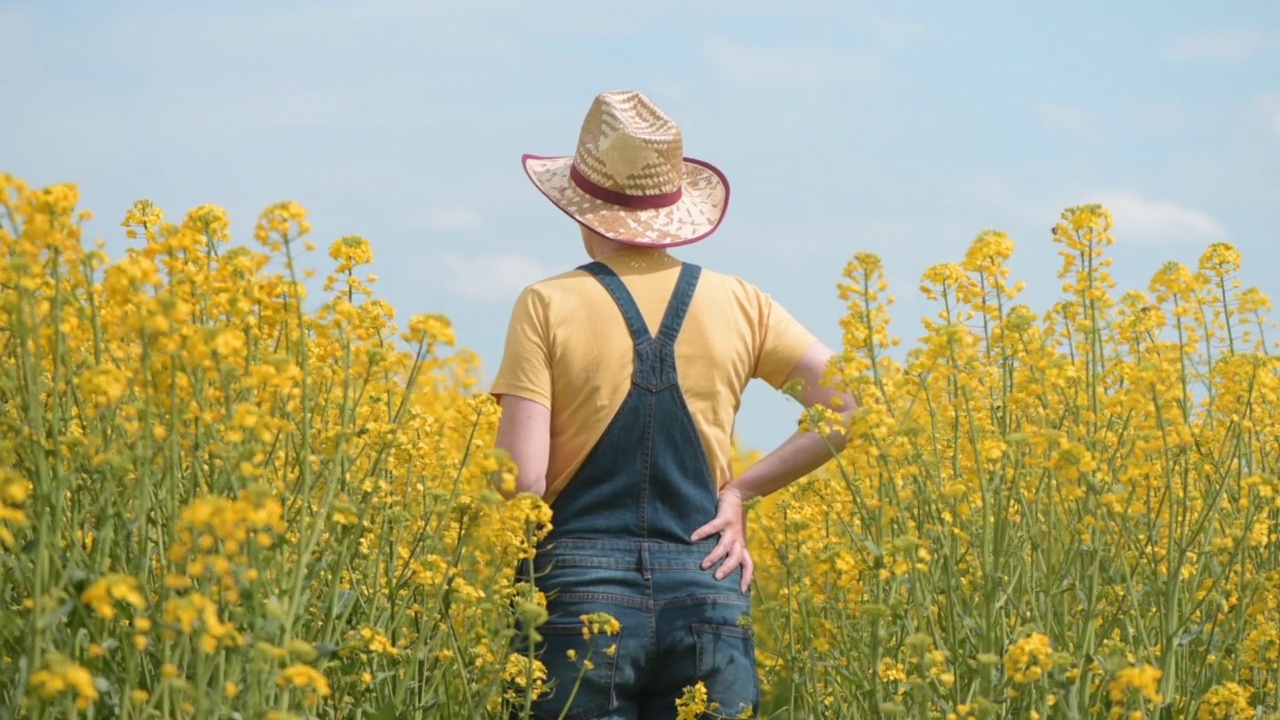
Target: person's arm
[(524, 432), (805, 451), (799, 455), (522, 387)]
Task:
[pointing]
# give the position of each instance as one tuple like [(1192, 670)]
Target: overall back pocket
[(581, 670), (727, 665)]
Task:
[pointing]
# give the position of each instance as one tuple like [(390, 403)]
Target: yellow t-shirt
[(568, 348)]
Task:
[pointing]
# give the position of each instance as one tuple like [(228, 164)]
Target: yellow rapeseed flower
[(1143, 680), (692, 704), (1227, 701), (61, 675), (1027, 659), (304, 677), (600, 622), (521, 676), (351, 251), (103, 594)]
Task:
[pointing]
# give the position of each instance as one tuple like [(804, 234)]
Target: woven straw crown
[(628, 179), (628, 145)]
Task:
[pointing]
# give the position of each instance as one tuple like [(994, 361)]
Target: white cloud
[(1152, 221), (458, 217), (1224, 46), (1071, 118), (789, 66), (488, 277)]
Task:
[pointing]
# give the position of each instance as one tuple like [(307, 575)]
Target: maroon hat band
[(638, 202)]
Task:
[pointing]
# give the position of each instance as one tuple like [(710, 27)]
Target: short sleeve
[(525, 369), (782, 341)]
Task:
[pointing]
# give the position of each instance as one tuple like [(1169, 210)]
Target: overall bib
[(620, 544)]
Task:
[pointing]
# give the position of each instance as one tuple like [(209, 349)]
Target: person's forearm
[(524, 434), (535, 485), (800, 455)]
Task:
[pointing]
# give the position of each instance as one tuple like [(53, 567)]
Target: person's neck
[(603, 247)]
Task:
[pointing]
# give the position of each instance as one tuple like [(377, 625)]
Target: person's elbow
[(513, 482), (531, 483), (840, 410), (524, 432), (831, 409)]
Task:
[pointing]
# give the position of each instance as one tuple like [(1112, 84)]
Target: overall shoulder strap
[(678, 306), (618, 291)]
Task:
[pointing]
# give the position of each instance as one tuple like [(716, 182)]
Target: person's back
[(732, 333), (619, 385)]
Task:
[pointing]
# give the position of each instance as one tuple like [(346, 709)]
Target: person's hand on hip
[(731, 523)]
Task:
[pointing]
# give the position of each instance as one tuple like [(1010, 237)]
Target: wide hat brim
[(703, 200)]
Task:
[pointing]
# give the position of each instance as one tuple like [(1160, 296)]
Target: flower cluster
[(1082, 497), (60, 677), (105, 592), (231, 486), (221, 495), (1028, 658), (1227, 701), (14, 491)]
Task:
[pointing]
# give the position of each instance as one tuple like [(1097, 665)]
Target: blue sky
[(899, 128)]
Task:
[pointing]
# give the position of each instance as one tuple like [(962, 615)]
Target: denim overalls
[(620, 544)]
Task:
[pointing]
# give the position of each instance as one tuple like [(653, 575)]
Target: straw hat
[(629, 179)]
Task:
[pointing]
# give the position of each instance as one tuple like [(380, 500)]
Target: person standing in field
[(619, 384)]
